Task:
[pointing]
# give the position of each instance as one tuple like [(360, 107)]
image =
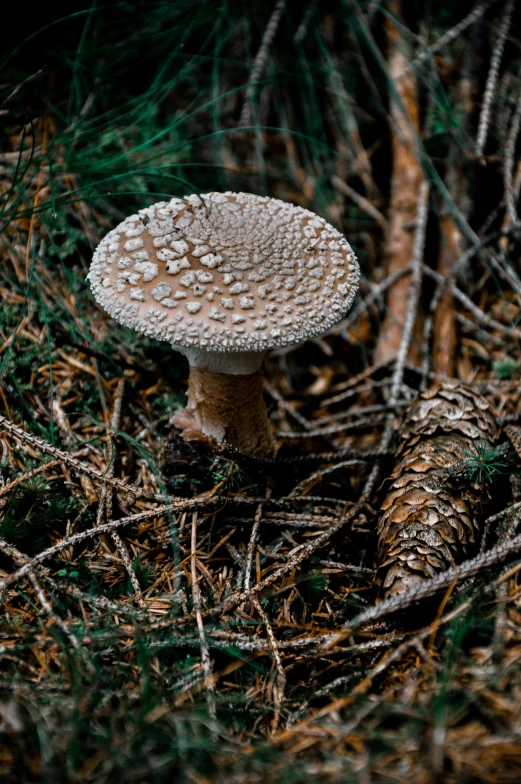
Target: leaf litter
[(171, 609)]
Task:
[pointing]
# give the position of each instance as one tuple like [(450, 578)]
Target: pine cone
[(431, 514)]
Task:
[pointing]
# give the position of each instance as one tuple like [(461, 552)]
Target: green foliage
[(228, 471), (33, 512), (165, 405), (145, 574), (72, 575), (484, 464), (318, 582), (506, 368), (446, 118), (9, 316)]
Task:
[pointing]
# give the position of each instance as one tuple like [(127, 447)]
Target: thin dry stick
[(376, 293), (483, 336), (373, 7), (99, 602), (60, 417), (507, 273), (508, 165), (312, 642), (303, 27), (500, 621), (353, 392), (412, 309), (329, 431), (364, 204), (50, 612), (495, 62), (476, 312), (251, 546), (40, 188), (21, 326), (5, 453), (317, 476), (105, 503), (306, 646), (292, 412), (260, 61), (42, 446), (278, 690), (503, 112), (377, 408), (196, 595), (114, 423), (453, 33), (349, 140), (507, 227)]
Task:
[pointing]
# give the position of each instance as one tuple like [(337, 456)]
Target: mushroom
[(223, 277)]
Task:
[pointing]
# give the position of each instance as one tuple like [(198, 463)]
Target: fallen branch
[(260, 61), (495, 62), (406, 180)]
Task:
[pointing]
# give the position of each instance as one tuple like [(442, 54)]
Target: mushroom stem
[(227, 407)]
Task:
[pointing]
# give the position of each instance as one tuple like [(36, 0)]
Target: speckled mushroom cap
[(225, 272)]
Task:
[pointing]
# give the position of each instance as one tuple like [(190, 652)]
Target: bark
[(451, 248), (227, 408), (406, 180), (444, 344)]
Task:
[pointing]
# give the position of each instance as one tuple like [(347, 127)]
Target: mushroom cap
[(225, 272)]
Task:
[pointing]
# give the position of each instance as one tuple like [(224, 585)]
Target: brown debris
[(263, 603)]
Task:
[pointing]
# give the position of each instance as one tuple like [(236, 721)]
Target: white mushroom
[(293, 292)]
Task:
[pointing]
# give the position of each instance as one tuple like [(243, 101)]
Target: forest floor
[(187, 613)]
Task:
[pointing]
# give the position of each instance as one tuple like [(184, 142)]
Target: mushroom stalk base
[(228, 408)]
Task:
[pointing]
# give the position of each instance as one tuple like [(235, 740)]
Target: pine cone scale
[(430, 521)]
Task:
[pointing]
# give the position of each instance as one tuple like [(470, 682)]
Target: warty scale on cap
[(225, 272)]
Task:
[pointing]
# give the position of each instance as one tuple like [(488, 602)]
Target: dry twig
[(259, 64), (495, 62)]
